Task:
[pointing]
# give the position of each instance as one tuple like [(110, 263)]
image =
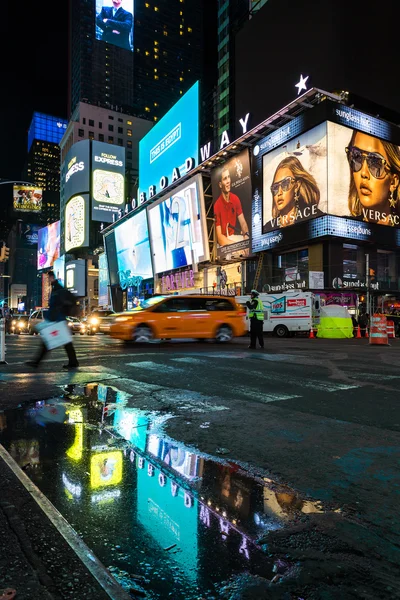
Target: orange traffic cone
[(366, 332), (311, 336), (358, 336)]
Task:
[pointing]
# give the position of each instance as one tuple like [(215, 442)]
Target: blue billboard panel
[(48, 245), (167, 146), (177, 228), (133, 248), (114, 22)]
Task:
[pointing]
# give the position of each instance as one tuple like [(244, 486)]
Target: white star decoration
[(302, 84)]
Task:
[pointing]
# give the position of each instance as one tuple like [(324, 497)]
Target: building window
[(120, 130), (91, 135), (91, 123), (84, 121), (129, 143), (350, 261), (110, 139), (129, 155), (111, 117), (81, 133), (100, 125), (129, 132), (129, 122), (101, 137), (120, 120), (111, 128), (120, 142), (291, 267)]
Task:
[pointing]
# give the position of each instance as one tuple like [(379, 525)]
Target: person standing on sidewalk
[(256, 316), (57, 311)]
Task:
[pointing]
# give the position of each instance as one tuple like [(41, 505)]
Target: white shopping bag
[(54, 334)]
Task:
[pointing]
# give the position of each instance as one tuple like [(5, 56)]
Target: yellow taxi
[(174, 317)]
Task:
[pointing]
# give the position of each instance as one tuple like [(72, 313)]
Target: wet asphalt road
[(321, 416)]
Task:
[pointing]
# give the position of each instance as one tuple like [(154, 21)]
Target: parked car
[(19, 324), (74, 324), (98, 321), (189, 316), (35, 318)]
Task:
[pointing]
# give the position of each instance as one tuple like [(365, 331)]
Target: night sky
[(34, 75)]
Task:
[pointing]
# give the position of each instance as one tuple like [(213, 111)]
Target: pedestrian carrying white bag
[(54, 334)]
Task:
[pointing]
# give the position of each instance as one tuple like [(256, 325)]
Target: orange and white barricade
[(390, 329), (378, 334)]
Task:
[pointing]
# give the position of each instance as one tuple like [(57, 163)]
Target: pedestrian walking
[(59, 308), (7, 316), (256, 316)]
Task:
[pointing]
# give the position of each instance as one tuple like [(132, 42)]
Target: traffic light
[(4, 253), (372, 274)]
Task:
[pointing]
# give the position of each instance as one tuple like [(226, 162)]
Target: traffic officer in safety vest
[(256, 316)]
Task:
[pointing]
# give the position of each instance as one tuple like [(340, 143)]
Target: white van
[(287, 313)]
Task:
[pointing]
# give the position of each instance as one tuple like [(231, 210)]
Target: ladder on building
[(258, 270)]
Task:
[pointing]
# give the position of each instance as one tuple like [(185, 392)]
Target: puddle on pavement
[(167, 522)]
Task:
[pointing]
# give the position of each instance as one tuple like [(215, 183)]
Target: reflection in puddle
[(164, 519)]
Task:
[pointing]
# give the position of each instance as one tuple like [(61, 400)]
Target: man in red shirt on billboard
[(228, 212)]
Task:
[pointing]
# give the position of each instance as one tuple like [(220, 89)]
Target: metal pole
[(367, 281), (2, 342)]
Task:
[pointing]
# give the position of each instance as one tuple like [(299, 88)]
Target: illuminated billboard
[(108, 172), (28, 236), (178, 228), (59, 269), (231, 190), (75, 170), (171, 148), (104, 282), (133, 248), (295, 180), (331, 171), (364, 176), (114, 22), (48, 245), (27, 198), (75, 277), (76, 223)]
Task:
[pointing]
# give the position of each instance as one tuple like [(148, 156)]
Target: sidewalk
[(35, 559)]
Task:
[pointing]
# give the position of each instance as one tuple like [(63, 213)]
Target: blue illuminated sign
[(46, 128), (171, 148)]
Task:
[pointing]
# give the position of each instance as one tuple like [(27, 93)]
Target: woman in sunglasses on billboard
[(374, 179), (295, 194)]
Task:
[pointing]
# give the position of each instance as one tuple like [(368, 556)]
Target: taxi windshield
[(150, 302)]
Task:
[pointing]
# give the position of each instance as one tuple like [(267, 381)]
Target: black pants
[(256, 333), (69, 349)]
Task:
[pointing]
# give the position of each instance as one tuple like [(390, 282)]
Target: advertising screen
[(177, 228), (295, 180), (231, 190), (27, 198), (28, 235), (103, 280), (363, 176), (133, 248), (167, 146), (59, 269), (76, 222), (114, 22), (75, 277), (108, 167), (48, 245), (75, 170)]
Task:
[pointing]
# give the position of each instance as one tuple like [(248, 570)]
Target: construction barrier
[(378, 334), (390, 329)]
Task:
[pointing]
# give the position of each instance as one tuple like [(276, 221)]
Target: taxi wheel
[(142, 334), (224, 334)]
